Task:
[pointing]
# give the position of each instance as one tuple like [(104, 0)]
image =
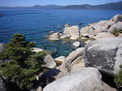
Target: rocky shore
[(95, 30), (88, 68), (94, 66)]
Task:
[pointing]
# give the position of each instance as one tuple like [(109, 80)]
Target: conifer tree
[(24, 64)]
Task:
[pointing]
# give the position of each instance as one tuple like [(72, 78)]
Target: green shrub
[(25, 64), (115, 32), (118, 77)]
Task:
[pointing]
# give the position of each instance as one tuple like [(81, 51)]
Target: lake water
[(36, 24)]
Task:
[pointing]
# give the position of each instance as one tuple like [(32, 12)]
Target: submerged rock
[(86, 79)]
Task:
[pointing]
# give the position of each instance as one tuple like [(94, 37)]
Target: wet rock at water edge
[(50, 63), (76, 44)]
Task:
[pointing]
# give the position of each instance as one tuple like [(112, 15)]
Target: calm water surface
[(36, 24)]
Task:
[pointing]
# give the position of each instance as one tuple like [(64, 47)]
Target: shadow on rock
[(48, 77), (107, 78)]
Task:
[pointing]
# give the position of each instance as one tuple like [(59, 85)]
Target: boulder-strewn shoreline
[(88, 68), (94, 30), (102, 53)]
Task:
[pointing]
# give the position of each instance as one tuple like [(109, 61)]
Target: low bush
[(115, 32)]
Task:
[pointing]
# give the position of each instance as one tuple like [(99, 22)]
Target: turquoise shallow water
[(36, 24)]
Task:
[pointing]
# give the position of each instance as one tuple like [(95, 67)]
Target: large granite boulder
[(3, 86), (117, 18), (72, 56), (71, 30), (103, 26), (104, 54), (86, 79), (110, 22), (84, 30), (50, 63), (104, 35), (95, 28), (54, 36), (100, 26), (76, 65), (117, 26)]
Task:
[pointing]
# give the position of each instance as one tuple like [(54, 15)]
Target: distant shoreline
[(107, 6)]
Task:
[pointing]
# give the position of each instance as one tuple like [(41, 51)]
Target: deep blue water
[(36, 24)]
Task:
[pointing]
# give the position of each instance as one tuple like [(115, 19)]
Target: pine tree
[(24, 65)]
